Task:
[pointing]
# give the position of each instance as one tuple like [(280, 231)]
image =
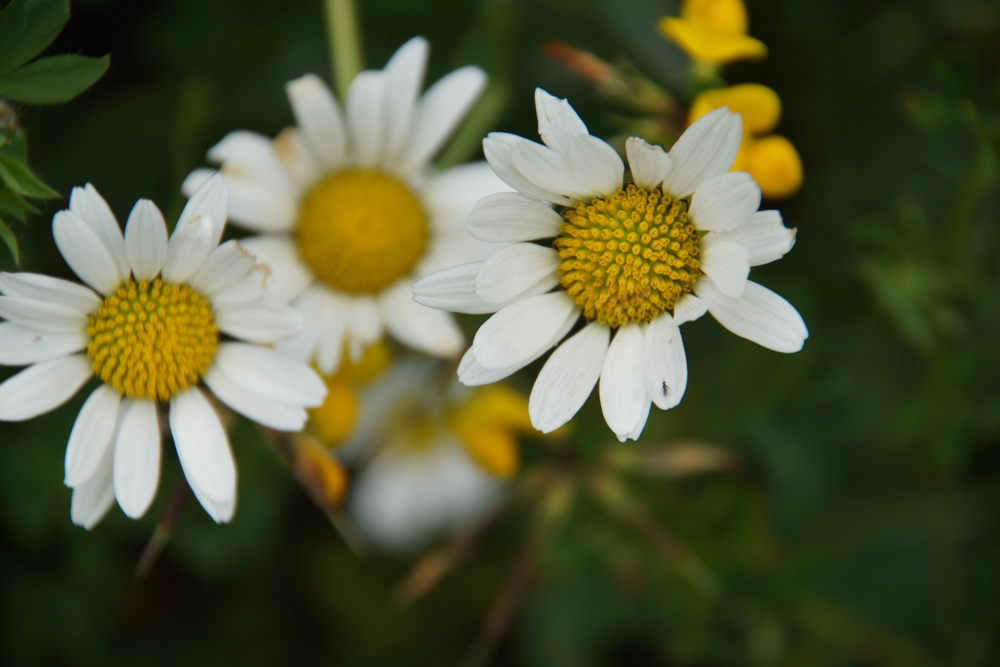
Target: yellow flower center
[(627, 257), (360, 231), (152, 340)]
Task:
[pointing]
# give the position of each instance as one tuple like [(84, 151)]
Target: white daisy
[(350, 213), (637, 261), (149, 329)]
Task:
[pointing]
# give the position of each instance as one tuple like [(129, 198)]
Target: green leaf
[(10, 241), (22, 181), (53, 80), (16, 147), (27, 27), (14, 204)]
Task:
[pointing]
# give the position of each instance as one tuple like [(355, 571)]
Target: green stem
[(345, 43)]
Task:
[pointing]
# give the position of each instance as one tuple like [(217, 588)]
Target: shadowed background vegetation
[(861, 525)]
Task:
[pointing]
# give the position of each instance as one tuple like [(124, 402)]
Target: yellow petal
[(320, 473), (775, 165), (711, 47), (332, 422), (759, 106), (494, 449), (728, 17)]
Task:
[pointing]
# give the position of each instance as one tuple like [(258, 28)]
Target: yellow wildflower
[(713, 31), (771, 159), (487, 425), (332, 422)]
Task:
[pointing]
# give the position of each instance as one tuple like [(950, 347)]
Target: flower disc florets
[(360, 231), (152, 340), (628, 257)]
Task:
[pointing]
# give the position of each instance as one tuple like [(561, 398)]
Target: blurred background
[(860, 523)]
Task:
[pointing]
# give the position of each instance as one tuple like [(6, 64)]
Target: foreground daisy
[(637, 261), (348, 210), (149, 327)]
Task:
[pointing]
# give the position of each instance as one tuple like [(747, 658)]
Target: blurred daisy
[(350, 213), (713, 32), (444, 456), (771, 159), (637, 260), (148, 325)]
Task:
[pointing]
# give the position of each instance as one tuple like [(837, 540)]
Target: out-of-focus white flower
[(637, 260), (148, 326), (349, 212)]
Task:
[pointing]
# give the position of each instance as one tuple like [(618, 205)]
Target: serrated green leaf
[(20, 179), (10, 241), (53, 80), (14, 204), (26, 28)]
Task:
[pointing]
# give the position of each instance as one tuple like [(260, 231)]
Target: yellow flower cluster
[(713, 31)]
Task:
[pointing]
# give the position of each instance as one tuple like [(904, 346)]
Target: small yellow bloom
[(487, 425), (713, 31), (772, 160), (332, 422)]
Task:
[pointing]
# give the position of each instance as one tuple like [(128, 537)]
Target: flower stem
[(163, 531), (344, 35)]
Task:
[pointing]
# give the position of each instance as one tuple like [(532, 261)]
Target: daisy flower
[(635, 261), (444, 454), (349, 212), (148, 325)]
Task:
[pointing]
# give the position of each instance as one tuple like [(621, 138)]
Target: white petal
[(430, 331), (523, 329), (295, 158), (136, 471), (86, 253), (91, 435), (145, 240), (318, 117), (250, 156), (364, 325), (50, 290), (225, 266), (637, 431), (558, 123), (325, 315), (280, 253), (211, 199), (706, 149), (449, 195), (512, 217), (220, 512), (568, 377), (728, 265), (447, 250), (725, 202), (42, 387), (438, 113), (92, 499), (20, 346), (497, 147), (473, 374), (250, 287), (202, 446), (252, 406), (596, 164), (189, 246), (664, 365), (649, 163), (549, 170), (260, 321), (42, 316), (255, 206), (364, 110), (760, 315), (513, 270), (764, 235), (404, 77), (689, 308), (88, 204), (271, 375), (453, 290), (196, 179), (623, 392)]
